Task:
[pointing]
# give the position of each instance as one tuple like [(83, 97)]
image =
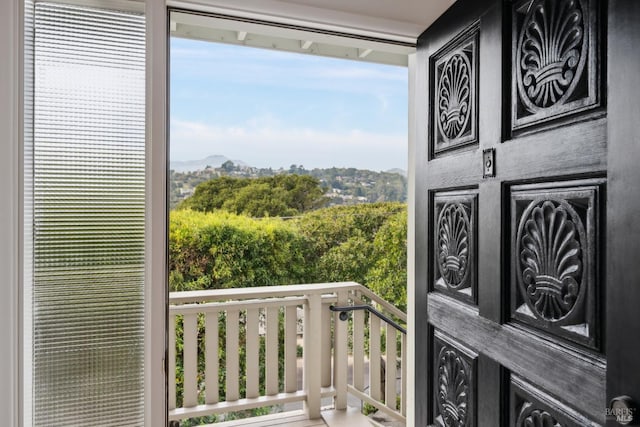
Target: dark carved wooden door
[(527, 205)]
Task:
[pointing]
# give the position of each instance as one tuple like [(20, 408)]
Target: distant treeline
[(342, 185)]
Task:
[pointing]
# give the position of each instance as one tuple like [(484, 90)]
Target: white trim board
[(10, 83), (156, 288)]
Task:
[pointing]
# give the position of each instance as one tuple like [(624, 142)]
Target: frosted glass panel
[(89, 217)]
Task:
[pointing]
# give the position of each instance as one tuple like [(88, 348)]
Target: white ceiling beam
[(306, 44), (363, 53), (290, 45), (260, 30), (242, 35)]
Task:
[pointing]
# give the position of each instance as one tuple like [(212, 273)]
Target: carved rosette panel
[(454, 97), (550, 240), (554, 69), (454, 229), (454, 383), (530, 416), (454, 244), (531, 407), (554, 282), (454, 83)]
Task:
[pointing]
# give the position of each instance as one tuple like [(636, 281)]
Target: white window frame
[(11, 210), (156, 292)]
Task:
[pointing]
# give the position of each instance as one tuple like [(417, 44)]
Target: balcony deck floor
[(330, 418)]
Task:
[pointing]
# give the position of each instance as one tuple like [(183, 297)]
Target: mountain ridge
[(216, 160)]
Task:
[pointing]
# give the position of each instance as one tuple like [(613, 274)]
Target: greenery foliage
[(279, 195), (216, 241), (340, 240), (387, 275), (361, 243), (223, 250)]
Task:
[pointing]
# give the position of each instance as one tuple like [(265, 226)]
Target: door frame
[(623, 190)]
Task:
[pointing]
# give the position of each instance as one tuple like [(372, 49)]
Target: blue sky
[(273, 109)]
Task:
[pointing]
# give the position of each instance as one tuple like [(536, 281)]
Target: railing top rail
[(385, 305), (210, 307), (280, 291)]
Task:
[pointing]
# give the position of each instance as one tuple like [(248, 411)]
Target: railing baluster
[(374, 357), (358, 350), (325, 340), (232, 354), (403, 373), (172, 361), (211, 357), (190, 357), (390, 367), (311, 354), (340, 356), (253, 353), (271, 352), (291, 349)]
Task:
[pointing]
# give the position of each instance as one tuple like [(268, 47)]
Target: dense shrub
[(223, 250), (363, 243), (387, 276)]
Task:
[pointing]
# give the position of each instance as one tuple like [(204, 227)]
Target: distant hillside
[(398, 171), (342, 186), (214, 162)]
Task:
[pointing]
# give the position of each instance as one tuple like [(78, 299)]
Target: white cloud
[(219, 62), (263, 142)]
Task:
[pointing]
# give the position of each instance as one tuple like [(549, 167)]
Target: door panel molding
[(454, 85), (555, 281), (455, 371), (529, 406), (455, 244), (554, 60), (531, 157), (538, 360)]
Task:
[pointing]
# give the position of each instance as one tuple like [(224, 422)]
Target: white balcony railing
[(260, 330)]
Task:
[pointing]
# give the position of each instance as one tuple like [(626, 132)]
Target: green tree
[(279, 195), (260, 200), (228, 166), (211, 195)]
